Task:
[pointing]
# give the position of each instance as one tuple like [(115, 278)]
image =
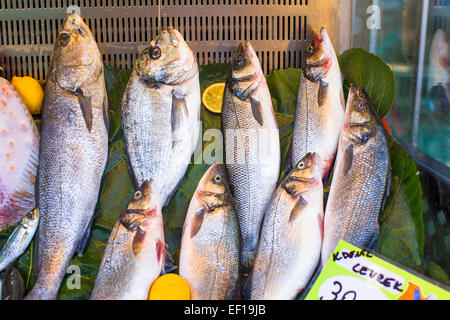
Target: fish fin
[(257, 111), (86, 108), (177, 117), (323, 92), (169, 264), (287, 167), (197, 222), (105, 111), (373, 240), (348, 158), (160, 252), (138, 240), (301, 203), (84, 240)]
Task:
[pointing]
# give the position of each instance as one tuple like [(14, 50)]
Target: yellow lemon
[(30, 91), (212, 97), (170, 286)]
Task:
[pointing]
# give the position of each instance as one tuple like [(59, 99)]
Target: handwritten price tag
[(355, 274)]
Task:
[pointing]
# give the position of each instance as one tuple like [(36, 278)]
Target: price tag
[(355, 274)]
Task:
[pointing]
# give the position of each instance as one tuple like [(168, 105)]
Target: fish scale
[(358, 190), (73, 153)]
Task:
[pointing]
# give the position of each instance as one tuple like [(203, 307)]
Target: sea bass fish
[(19, 152), (319, 115), (19, 239), (291, 235), (73, 153), (210, 244), (135, 254), (251, 145), (161, 113), (360, 179)]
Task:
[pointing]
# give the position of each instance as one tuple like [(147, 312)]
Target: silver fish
[(210, 243), (161, 113), (19, 152), (319, 115), (251, 145), (291, 235), (360, 179), (19, 239), (135, 254), (73, 153)]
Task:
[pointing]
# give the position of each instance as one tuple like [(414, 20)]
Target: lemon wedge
[(212, 97)]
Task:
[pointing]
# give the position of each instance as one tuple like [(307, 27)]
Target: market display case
[(410, 37)]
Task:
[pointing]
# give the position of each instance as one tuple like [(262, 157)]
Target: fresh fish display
[(360, 179), (73, 153), (12, 286), (210, 244), (161, 113), (19, 239), (291, 235), (135, 254), (19, 152), (319, 115), (251, 145)]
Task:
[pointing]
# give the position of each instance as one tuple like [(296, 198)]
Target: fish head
[(246, 73), (168, 59), (31, 219), (306, 175), (360, 118), (213, 191), (319, 56), (76, 59), (144, 205)]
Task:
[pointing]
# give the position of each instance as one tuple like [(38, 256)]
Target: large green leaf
[(363, 69)]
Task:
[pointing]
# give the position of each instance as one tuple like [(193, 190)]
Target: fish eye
[(137, 195), (63, 38), (217, 179), (81, 31), (155, 53), (239, 62), (361, 106), (310, 48), (301, 165)]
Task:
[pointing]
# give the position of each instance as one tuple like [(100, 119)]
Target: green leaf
[(402, 233), (363, 69)]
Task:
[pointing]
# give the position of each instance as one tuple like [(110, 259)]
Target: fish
[(251, 146), (161, 113), (135, 253), (19, 239), (12, 286), (19, 153), (319, 115), (361, 178), (211, 240), (291, 235), (72, 154)]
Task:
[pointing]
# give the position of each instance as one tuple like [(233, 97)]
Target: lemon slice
[(169, 286), (30, 91), (212, 97)]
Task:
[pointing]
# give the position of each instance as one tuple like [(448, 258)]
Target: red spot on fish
[(3, 102), (8, 155), (443, 61), (386, 125), (160, 251), (12, 143), (151, 212), (4, 131)]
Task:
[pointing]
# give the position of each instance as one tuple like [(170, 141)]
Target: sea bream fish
[(360, 180), (161, 113), (19, 153), (210, 243), (251, 145), (291, 235), (73, 153), (135, 254), (319, 115), (19, 239)]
